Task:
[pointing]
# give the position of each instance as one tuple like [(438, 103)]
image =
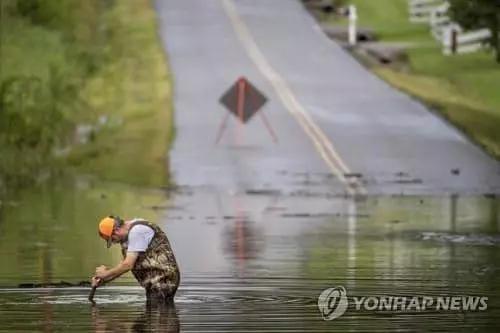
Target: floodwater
[(251, 262)]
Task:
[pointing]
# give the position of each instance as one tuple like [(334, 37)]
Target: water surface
[(250, 262)]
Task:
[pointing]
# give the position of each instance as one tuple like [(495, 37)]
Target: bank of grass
[(389, 18), (462, 88), (134, 92)]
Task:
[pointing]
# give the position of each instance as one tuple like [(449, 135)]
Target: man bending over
[(146, 252)]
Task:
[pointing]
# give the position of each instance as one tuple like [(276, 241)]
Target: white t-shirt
[(139, 238)]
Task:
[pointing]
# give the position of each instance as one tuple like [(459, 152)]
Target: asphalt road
[(393, 141)]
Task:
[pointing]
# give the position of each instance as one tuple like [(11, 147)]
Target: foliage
[(50, 49), (96, 63), (134, 94), (479, 14)]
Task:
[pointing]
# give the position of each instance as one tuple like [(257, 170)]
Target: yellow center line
[(320, 140)]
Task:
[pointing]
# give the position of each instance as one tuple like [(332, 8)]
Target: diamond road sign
[(243, 100)]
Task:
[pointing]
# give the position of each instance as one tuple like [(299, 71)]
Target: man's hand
[(100, 272), (96, 281), (126, 265)]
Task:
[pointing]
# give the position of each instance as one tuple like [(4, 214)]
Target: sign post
[(243, 101), (353, 17)]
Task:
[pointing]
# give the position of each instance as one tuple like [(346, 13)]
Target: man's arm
[(126, 265), (138, 241)]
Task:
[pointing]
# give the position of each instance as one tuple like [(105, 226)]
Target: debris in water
[(353, 175), (155, 207), (321, 215), (409, 181), (309, 183), (275, 208), (307, 194), (296, 215), (482, 270), (62, 284), (263, 192), (460, 238)]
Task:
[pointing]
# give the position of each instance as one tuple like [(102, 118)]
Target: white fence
[(440, 22), (421, 10), (456, 42), (451, 35)]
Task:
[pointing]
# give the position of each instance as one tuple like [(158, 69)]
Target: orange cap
[(106, 227)]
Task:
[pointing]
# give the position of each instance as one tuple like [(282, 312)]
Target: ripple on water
[(469, 239), (213, 309), (135, 296)]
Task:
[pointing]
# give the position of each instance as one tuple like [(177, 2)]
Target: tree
[(479, 14)]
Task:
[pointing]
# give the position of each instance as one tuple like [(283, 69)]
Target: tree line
[(479, 14)]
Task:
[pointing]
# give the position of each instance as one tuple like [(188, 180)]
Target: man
[(146, 252)]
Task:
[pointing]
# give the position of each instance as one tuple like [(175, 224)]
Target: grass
[(462, 88), (17, 37), (389, 18), (135, 93)]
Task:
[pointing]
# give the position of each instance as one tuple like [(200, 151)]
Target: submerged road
[(282, 220)]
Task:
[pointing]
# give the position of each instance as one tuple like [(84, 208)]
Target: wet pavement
[(260, 228), (330, 115)]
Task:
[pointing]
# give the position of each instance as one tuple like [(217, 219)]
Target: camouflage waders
[(156, 269)]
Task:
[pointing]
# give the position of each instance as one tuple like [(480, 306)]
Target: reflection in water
[(351, 254), (453, 212), (51, 234), (243, 240), (158, 318), (46, 258), (494, 215), (154, 318)]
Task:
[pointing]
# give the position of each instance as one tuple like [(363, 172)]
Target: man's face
[(115, 239), (119, 235)]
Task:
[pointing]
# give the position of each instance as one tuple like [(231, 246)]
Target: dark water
[(250, 262)]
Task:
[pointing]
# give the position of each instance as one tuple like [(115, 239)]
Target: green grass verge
[(389, 18), (135, 92), (463, 88)]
